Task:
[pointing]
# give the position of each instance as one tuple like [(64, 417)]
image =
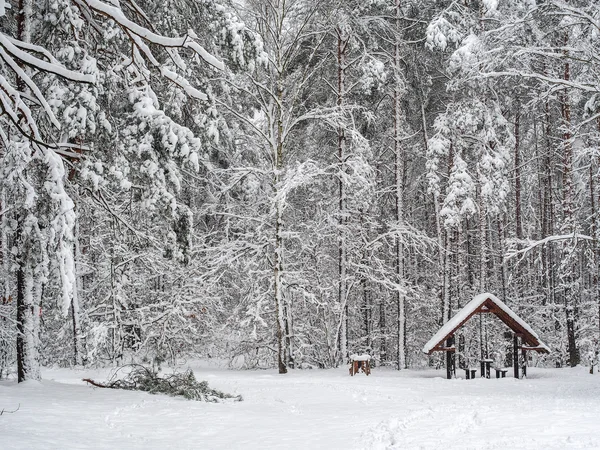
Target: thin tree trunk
[(482, 271), (482, 245), (503, 269), (289, 324), (27, 331), (399, 180), (596, 235), (28, 311), (518, 210), (5, 295), (78, 354), (278, 252), (568, 225), (342, 42), (382, 331), (461, 256), (518, 215), (547, 218), (22, 308), (367, 313), (442, 248)]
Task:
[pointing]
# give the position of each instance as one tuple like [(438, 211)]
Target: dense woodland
[(284, 182)]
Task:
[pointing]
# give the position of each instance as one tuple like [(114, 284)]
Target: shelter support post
[(524, 355), (486, 365), (450, 359), (516, 355)]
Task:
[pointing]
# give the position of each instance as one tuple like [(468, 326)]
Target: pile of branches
[(184, 384)]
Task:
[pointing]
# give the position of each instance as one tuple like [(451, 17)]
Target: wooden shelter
[(524, 338)]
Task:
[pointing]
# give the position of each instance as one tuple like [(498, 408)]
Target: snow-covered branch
[(530, 245)]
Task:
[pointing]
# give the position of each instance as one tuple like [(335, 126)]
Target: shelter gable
[(485, 303)]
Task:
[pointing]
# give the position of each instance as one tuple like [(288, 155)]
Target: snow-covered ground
[(328, 409)]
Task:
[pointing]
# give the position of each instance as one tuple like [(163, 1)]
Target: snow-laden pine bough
[(25, 60), (524, 338), (183, 384)]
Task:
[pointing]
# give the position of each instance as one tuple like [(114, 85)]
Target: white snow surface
[(316, 409), (467, 310)]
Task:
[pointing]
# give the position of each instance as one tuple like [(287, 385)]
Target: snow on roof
[(363, 357), (469, 309)]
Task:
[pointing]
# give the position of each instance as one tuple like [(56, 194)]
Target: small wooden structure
[(524, 338), (485, 365), (359, 362), (501, 372)]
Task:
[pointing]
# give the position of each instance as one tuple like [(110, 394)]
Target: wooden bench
[(500, 372), (470, 373), (486, 364)]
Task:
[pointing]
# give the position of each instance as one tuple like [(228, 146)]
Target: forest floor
[(313, 409)]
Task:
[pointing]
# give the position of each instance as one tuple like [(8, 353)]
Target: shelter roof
[(486, 303)]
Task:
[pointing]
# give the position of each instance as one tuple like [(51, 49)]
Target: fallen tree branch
[(95, 383), (184, 384), (10, 412)]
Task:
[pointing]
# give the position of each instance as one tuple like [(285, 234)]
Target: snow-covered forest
[(283, 183)]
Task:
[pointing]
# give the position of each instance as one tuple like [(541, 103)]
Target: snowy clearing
[(553, 409)]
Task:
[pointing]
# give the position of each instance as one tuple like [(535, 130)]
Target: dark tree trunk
[(383, 332), (518, 218), (26, 332), (21, 330), (568, 263), (342, 43)]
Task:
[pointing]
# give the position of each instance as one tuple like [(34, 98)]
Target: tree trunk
[(78, 353), (5, 295), (482, 245), (382, 332), (502, 263), (442, 250), (28, 367), (518, 211), (342, 42), (367, 314), (399, 206), (27, 324), (482, 272), (518, 216), (568, 226), (596, 236), (289, 324), (460, 280), (278, 252)]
